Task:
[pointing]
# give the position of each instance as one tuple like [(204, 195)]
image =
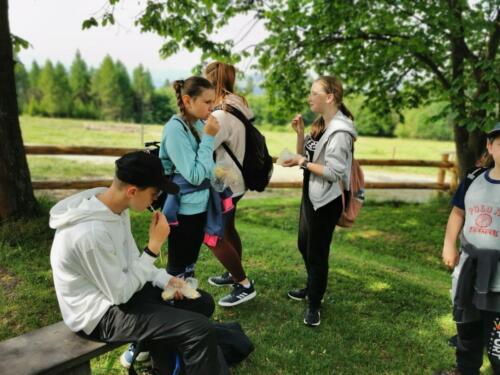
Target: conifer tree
[(79, 82)]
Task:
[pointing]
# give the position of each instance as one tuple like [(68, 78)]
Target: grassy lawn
[(386, 310), (38, 130)]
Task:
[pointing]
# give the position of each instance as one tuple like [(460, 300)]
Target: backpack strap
[(471, 176), (236, 113), (187, 132), (240, 116), (231, 154)]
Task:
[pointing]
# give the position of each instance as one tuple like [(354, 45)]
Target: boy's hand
[(450, 256), (158, 231)]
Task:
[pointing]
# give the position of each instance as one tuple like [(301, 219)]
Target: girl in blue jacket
[(187, 149)]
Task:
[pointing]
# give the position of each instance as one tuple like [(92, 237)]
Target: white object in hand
[(285, 155), (188, 290)]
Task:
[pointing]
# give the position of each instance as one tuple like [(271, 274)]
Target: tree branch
[(434, 68), (494, 39), (389, 39)]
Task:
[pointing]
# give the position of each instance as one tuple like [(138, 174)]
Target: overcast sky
[(53, 27)]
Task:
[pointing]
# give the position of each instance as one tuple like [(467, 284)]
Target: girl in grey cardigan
[(325, 155)]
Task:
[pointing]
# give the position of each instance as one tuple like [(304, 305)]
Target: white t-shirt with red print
[(481, 204), (482, 211)]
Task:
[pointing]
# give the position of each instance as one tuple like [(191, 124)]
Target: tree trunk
[(469, 148), (16, 193)]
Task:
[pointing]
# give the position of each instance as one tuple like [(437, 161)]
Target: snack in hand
[(188, 290), (285, 155)]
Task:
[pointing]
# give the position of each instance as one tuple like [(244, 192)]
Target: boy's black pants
[(473, 337), (315, 235), (164, 326)]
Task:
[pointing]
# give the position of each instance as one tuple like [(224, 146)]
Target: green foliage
[(143, 94), (19, 43), (112, 91), (265, 112), (79, 81), (55, 92), (398, 54), (34, 93), (103, 93), (22, 85), (369, 122), (163, 106), (429, 122)]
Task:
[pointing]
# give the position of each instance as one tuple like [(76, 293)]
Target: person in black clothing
[(325, 155)]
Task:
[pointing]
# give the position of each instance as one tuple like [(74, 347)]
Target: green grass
[(38, 130), (386, 310)]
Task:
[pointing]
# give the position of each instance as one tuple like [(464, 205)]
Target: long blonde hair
[(331, 85), (223, 77)]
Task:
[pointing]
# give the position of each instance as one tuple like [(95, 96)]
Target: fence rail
[(443, 166)]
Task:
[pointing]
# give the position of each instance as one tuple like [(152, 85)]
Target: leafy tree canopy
[(396, 53)]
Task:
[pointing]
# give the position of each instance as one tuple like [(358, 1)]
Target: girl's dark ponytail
[(192, 87)]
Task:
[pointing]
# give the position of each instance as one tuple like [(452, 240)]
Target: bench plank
[(52, 349)]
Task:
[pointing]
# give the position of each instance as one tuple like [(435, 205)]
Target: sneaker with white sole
[(238, 295), (223, 280), (298, 294), (312, 317), (126, 357)]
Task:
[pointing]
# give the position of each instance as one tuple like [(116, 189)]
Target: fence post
[(442, 171), (454, 177)]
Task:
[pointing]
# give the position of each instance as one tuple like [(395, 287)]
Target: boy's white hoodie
[(95, 261)]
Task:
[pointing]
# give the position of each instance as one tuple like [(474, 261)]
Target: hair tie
[(181, 83)]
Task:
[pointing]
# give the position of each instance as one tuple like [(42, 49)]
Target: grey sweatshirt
[(334, 152)]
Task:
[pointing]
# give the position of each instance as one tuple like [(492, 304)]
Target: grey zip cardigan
[(334, 152)]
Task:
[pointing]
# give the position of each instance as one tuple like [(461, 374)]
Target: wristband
[(303, 165), (150, 253)]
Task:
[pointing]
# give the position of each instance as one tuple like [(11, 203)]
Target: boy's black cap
[(495, 131), (143, 169)]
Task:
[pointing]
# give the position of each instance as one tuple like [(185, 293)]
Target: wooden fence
[(443, 166)]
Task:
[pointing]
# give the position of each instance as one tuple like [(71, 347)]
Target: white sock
[(247, 284)]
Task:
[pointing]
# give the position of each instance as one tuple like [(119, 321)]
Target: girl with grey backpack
[(325, 155)]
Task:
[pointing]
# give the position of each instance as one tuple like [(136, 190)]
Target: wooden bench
[(50, 350)]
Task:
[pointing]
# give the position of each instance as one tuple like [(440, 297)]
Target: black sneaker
[(312, 317), (222, 280), (298, 294), (238, 295)]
